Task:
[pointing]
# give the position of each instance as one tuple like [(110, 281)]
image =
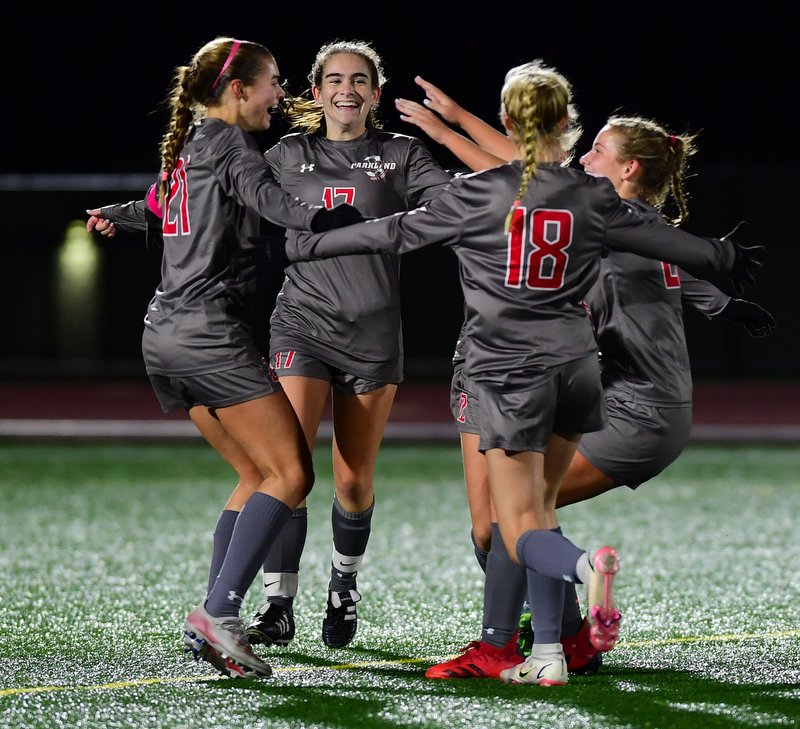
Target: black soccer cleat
[(341, 621), (272, 625)]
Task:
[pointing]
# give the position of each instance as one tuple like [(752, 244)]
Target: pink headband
[(671, 140), (234, 48)]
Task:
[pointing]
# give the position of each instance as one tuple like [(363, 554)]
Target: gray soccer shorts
[(639, 442), (565, 399), (464, 402), (216, 389), (292, 362)]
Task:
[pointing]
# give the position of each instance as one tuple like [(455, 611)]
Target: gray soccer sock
[(258, 526), (503, 593), (350, 536), (222, 538), (480, 554), (282, 564), (546, 598), (549, 553), (571, 620)]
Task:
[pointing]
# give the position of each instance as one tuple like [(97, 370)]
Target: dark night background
[(84, 86)]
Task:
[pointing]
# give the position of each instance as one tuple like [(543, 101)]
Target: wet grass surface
[(103, 550)]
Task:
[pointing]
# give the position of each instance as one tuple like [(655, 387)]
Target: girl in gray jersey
[(532, 353), (636, 308), (336, 324), (197, 344)]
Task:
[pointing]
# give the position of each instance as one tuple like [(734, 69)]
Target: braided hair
[(200, 85), (537, 101)]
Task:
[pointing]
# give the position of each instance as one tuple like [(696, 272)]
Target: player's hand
[(339, 217), (414, 113), (99, 223), (746, 263), (757, 321), (438, 101)]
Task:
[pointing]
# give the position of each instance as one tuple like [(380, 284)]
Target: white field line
[(731, 637)]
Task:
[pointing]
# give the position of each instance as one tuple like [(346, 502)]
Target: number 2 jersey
[(221, 187), (523, 290), (346, 311)]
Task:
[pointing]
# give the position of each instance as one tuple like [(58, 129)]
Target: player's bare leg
[(476, 478), (583, 481), (268, 433), (358, 423), (273, 624)]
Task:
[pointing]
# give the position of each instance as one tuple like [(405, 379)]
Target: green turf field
[(104, 549)]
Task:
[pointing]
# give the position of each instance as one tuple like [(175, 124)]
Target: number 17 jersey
[(346, 311)]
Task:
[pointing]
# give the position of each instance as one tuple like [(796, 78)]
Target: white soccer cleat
[(551, 671), (222, 642), (603, 615)]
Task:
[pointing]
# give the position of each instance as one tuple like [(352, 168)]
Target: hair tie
[(234, 48), (671, 140)]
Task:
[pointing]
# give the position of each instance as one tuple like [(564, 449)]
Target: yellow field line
[(378, 664)]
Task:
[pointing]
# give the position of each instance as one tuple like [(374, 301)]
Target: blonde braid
[(181, 119), (536, 100)]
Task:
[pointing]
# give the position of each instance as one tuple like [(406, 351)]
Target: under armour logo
[(233, 597), (307, 168)]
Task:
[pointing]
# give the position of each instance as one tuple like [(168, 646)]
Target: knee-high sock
[(350, 537), (550, 553), (282, 565), (503, 593), (571, 620), (546, 598), (259, 524), (222, 538)]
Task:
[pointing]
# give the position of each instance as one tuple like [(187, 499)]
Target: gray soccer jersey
[(346, 311), (221, 187), (523, 290), (636, 307)]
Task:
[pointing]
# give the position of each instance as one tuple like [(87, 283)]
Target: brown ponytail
[(662, 159), (202, 84)]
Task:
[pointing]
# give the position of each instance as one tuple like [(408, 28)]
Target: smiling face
[(602, 160), (258, 98), (347, 94)]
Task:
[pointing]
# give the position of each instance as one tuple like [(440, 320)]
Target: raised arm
[(484, 135), (475, 157)]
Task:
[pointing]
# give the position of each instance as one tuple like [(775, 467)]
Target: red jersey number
[(176, 220), (671, 276), (330, 194), (549, 236)]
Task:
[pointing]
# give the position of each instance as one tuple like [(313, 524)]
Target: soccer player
[(336, 325), (637, 313), (529, 237), (197, 344)]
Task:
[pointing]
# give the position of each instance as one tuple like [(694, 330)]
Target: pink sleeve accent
[(152, 201)]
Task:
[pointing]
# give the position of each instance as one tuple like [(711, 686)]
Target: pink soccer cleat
[(603, 615)]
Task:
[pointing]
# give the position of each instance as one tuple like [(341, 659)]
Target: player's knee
[(482, 532)]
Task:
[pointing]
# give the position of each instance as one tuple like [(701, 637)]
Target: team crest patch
[(374, 166)]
